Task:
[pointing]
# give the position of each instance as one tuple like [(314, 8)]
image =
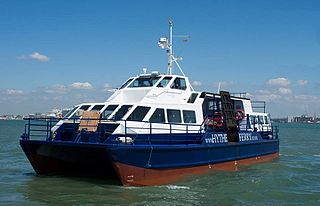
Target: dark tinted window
[(192, 98), (85, 107), (189, 116), (164, 82), (158, 116), (108, 111), (80, 111), (174, 116), (121, 112), (125, 84), (139, 113), (179, 83), (70, 112), (144, 82), (97, 107)]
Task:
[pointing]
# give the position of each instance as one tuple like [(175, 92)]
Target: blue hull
[(126, 161)]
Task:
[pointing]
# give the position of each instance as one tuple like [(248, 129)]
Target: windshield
[(144, 82)]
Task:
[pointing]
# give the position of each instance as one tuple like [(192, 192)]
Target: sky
[(55, 54)]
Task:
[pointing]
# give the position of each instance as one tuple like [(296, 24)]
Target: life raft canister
[(239, 115)]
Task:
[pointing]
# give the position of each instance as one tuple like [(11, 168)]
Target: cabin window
[(80, 111), (260, 119), (164, 82), (70, 112), (126, 83), (238, 104), (266, 120), (174, 116), (97, 107), (192, 98), (144, 82), (189, 116), (121, 112), (253, 119), (157, 116), (179, 83), (108, 111), (139, 113)]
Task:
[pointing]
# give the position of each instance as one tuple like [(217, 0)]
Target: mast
[(170, 51), (167, 44)]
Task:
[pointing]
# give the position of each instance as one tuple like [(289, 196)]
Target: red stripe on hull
[(136, 176)]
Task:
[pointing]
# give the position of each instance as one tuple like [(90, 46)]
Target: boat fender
[(125, 140), (239, 115)]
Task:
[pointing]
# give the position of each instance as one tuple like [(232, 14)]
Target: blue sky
[(54, 54)]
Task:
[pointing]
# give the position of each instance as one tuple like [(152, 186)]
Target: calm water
[(294, 179)]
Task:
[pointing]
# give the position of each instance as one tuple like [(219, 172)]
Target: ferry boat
[(155, 129)]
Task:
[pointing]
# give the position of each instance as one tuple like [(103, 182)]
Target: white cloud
[(35, 56), (81, 85), (14, 92), (302, 82), (281, 81), (57, 88), (39, 57), (108, 88), (282, 90), (266, 95), (196, 83)]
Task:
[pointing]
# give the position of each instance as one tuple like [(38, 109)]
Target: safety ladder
[(228, 115)]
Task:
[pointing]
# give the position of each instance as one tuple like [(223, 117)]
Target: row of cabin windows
[(178, 83), (158, 116), (259, 119), (174, 116)]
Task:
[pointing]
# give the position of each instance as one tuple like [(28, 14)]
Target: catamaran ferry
[(155, 129)]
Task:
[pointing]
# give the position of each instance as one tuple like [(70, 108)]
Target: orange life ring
[(239, 115)]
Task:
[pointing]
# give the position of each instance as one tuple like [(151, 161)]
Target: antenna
[(219, 87), (165, 44)]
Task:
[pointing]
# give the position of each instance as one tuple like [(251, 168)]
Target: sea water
[(293, 179)]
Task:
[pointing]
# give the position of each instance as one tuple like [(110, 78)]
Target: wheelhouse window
[(158, 116), (139, 113), (189, 116), (144, 82), (179, 83), (97, 107), (121, 112), (108, 111), (80, 111), (126, 83), (174, 116), (266, 120), (164, 82)]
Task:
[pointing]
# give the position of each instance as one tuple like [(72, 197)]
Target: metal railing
[(42, 127)]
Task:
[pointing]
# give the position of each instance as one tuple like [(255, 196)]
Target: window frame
[(132, 116), (194, 118), (154, 113), (169, 115)]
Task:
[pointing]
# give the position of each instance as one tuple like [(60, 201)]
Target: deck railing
[(42, 128)]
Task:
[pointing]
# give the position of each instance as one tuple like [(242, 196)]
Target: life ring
[(217, 120), (239, 115)]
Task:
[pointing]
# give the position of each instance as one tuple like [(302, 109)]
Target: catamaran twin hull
[(149, 164)]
